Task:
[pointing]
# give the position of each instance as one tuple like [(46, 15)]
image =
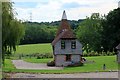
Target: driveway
[(20, 64)]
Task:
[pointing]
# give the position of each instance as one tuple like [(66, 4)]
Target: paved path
[(77, 75), (20, 64)]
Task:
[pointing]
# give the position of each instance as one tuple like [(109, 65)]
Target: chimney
[(119, 4)]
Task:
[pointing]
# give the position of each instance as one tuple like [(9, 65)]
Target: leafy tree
[(111, 30), (88, 33), (38, 33), (12, 30)]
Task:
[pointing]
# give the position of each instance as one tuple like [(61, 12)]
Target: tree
[(38, 33), (12, 30), (88, 32), (111, 30)]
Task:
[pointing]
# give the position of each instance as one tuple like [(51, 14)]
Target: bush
[(96, 54), (38, 57), (108, 53), (49, 55), (51, 63)]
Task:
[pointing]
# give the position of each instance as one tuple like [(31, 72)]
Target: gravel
[(20, 64)]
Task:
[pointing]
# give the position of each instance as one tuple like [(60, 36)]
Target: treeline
[(98, 33), (38, 33), (43, 32)]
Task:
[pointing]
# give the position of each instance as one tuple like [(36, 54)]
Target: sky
[(52, 10)]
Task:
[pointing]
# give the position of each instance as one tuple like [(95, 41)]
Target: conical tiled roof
[(64, 31)]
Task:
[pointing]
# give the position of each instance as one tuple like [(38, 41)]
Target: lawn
[(110, 62), (8, 66), (34, 48)]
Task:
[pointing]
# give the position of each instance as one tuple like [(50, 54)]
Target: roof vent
[(64, 15)]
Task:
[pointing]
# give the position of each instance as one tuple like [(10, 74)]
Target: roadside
[(76, 75)]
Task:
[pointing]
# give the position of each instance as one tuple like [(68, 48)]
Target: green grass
[(0, 73), (110, 62), (34, 48), (8, 66)]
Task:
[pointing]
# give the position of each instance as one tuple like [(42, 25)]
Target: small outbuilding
[(67, 50)]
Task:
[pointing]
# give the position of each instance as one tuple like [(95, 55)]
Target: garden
[(93, 63)]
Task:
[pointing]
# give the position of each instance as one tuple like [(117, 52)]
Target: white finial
[(64, 15), (119, 4)]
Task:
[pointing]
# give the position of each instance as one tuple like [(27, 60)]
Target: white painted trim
[(64, 15)]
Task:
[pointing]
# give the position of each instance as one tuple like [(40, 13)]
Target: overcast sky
[(51, 10)]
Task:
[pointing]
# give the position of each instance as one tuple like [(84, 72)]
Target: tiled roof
[(57, 38), (64, 31), (64, 35), (63, 27)]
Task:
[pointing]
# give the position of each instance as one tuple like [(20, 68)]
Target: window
[(68, 57), (62, 44), (73, 44)]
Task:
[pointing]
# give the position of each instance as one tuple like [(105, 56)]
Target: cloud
[(51, 10), (42, 12), (73, 5), (26, 4)]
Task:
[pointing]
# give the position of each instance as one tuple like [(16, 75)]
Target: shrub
[(51, 63), (96, 54), (38, 57)]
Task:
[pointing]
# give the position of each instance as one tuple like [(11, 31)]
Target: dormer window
[(62, 44), (73, 45)]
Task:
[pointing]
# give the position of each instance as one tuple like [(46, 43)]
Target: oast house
[(67, 50)]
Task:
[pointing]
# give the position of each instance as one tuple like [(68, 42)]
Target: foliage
[(51, 63), (88, 67), (38, 33), (45, 55), (88, 33), (92, 53), (73, 23), (111, 30), (43, 32), (100, 33), (12, 29)]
